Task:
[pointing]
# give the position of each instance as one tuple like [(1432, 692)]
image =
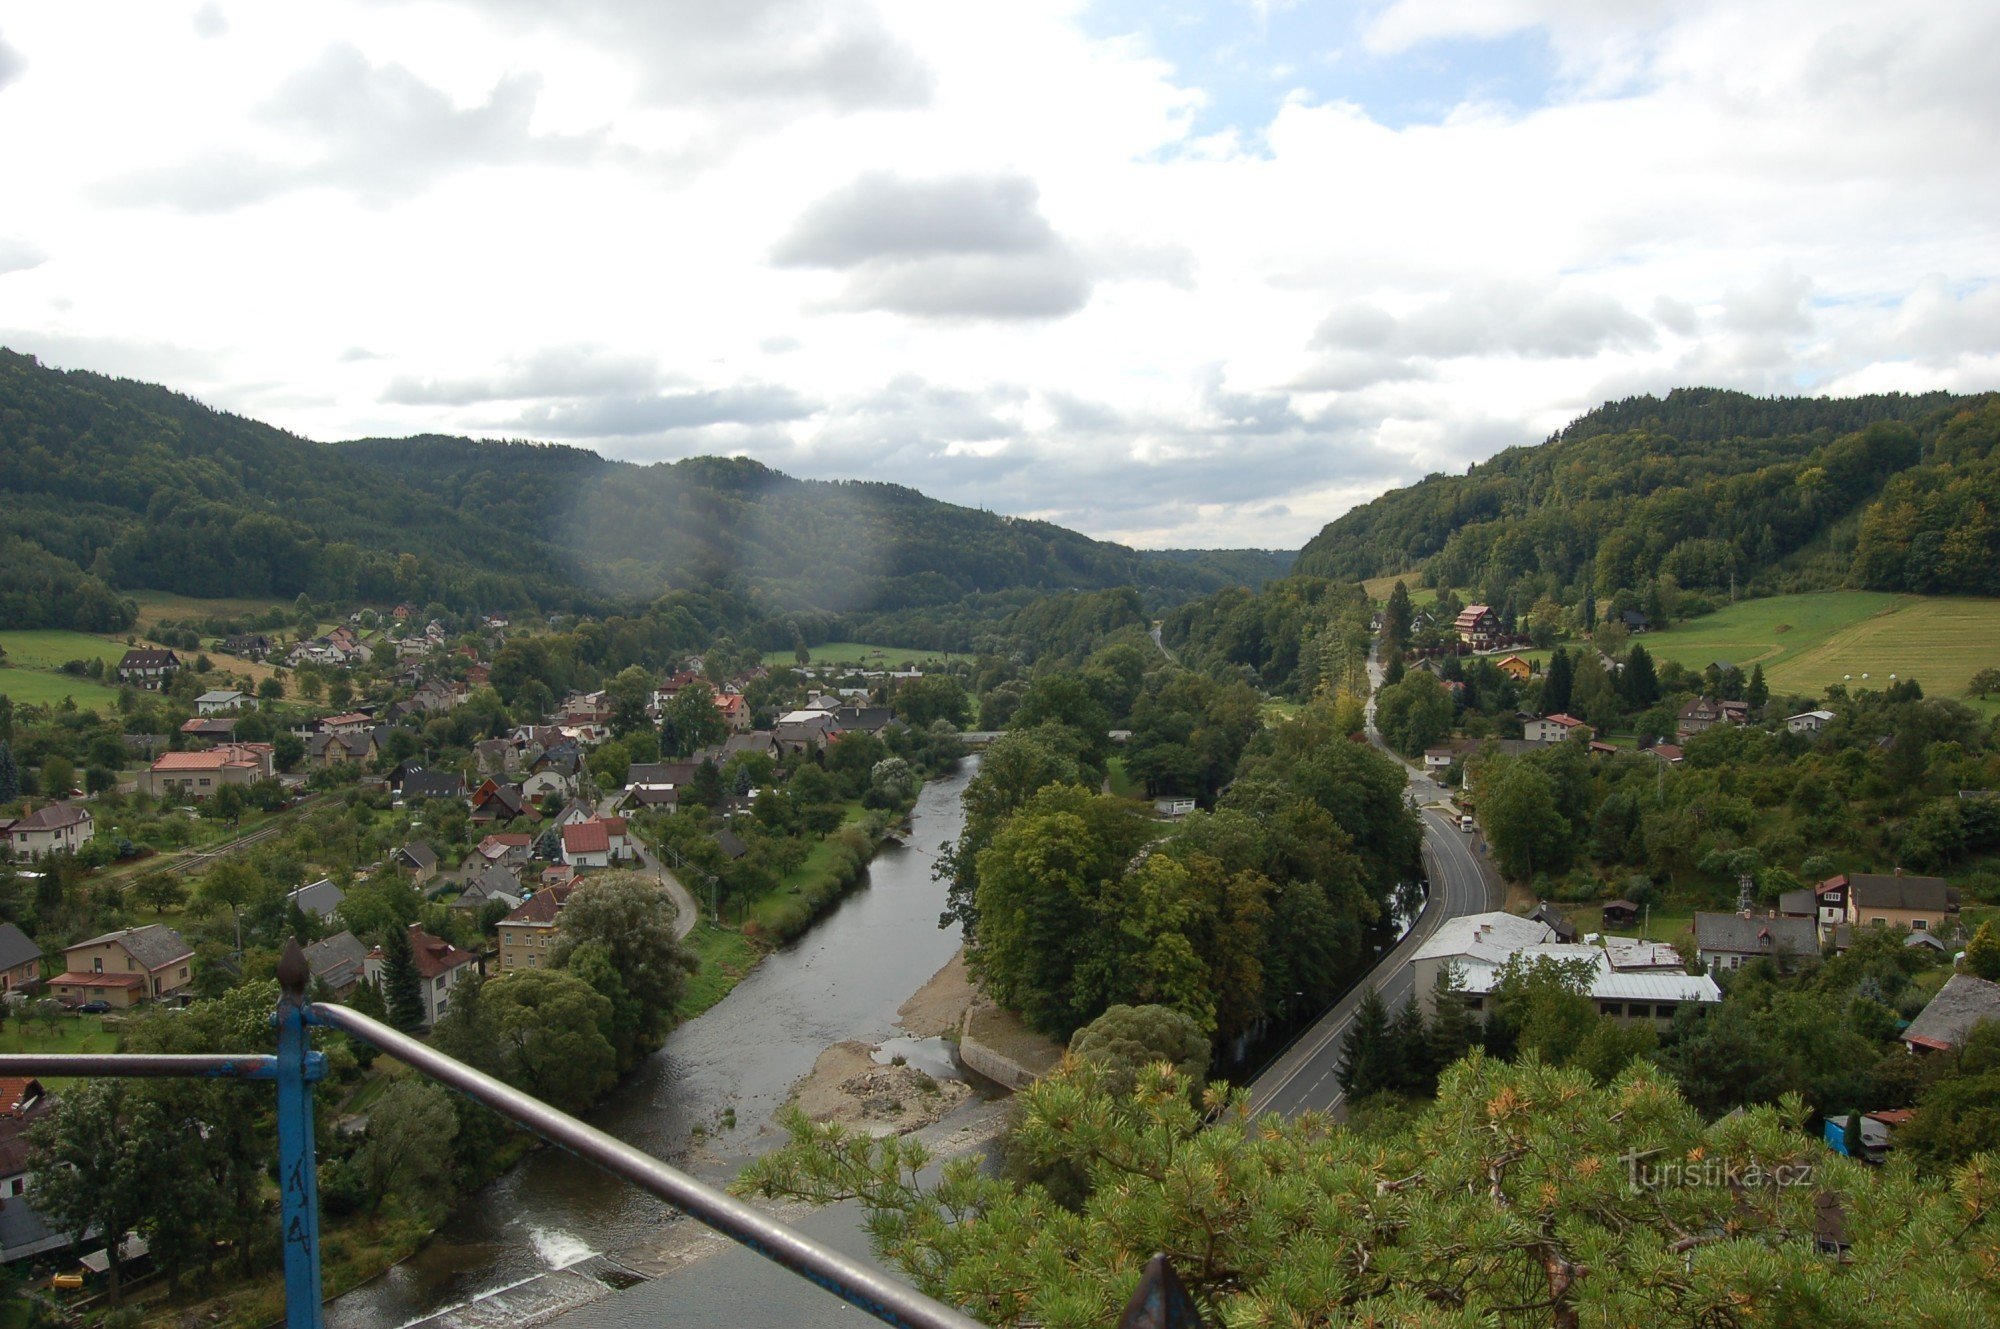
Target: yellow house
[(528, 932), (1920, 904), (125, 968), (1515, 668)]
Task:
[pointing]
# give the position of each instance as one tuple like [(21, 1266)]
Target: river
[(844, 979)]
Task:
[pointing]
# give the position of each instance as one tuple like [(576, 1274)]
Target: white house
[(586, 844), (56, 828), (440, 967), (1629, 984), (214, 703), (1809, 722), (1552, 728)]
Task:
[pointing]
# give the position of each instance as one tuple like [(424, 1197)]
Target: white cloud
[(985, 253)]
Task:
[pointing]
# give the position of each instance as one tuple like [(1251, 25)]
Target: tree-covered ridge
[(1704, 487), (115, 483)]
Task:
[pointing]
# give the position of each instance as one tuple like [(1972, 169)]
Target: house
[(731, 844), (1918, 903), (223, 699), (1477, 626), (23, 1232), (1961, 1003), (527, 932), (1475, 948), (1438, 760), (347, 748), (511, 849), (1557, 921), (339, 962), (486, 885), (248, 645), (576, 810), (320, 898), (440, 966), (1808, 722), (1516, 668), (803, 731), (494, 756), (149, 668), (660, 774), (1173, 807), (1702, 714), (495, 802), (547, 779), (735, 711), (210, 729), (557, 874), (347, 722), (862, 719), (125, 968), (587, 844), (1621, 914), (620, 838), (1728, 941), (418, 859), (1597, 749), (1553, 728), (197, 775), (417, 785), (1803, 903), (55, 828), (1635, 622), (20, 959), (644, 797)]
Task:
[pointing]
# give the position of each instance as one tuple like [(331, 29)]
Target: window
[(1665, 1010), (1920, 925), (1611, 1007), (96, 964), (1877, 922)]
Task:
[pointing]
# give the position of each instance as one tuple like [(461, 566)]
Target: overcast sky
[(1186, 273)]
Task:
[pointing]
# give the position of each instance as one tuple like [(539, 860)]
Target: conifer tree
[(1640, 681), (10, 774), (1556, 683), (367, 999), (1365, 1066), (402, 992), (1759, 692)]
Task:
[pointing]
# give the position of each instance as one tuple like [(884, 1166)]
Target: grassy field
[(1806, 642), (33, 687), (1378, 588), (156, 607), (726, 956), (868, 654), (51, 648), (71, 1033), (1122, 783)]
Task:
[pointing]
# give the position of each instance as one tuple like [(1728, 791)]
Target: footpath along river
[(844, 979)]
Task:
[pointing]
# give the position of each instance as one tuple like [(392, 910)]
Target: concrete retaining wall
[(996, 1044)]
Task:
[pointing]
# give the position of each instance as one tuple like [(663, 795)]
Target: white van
[(1465, 823)]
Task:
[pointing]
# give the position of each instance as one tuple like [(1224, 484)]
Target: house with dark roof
[(731, 844), (419, 784), (125, 968), (1635, 622), (20, 959), (148, 667), (347, 747), (863, 719), (488, 884), (23, 1232), (1556, 921), (418, 859), (527, 933), (1729, 941), (55, 828), (1477, 626), (320, 898), (339, 962), (1702, 714), (494, 802), (440, 966), (1963, 1001), (1898, 900)]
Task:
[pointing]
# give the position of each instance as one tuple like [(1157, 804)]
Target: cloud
[(836, 53), (12, 65), (1491, 319), (554, 371), (18, 255), (958, 247), (376, 131), (210, 21), (665, 412)]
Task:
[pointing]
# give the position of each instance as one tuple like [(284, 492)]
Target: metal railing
[(1159, 1300)]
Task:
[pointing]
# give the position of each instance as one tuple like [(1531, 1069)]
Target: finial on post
[(293, 971), (1161, 1300)]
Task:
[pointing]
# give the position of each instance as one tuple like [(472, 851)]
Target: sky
[(1198, 273)]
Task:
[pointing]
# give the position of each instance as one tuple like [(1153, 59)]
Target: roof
[(16, 947), (419, 853), (1487, 937), (586, 837), (1566, 721), (143, 657), (220, 697), (1631, 953), (434, 955), (1470, 615), (1800, 903), (17, 1091), (1609, 984), (321, 897), (215, 759), (337, 959), (54, 817), (1821, 716), (156, 945), (1880, 891), (505, 840), (77, 978), (433, 784), (1756, 936), (1961, 1003), (494, 883), (541, 907), (731, 844)]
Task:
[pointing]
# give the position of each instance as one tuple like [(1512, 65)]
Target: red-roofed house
[(1553, 728), (586, 844), (1477, 626), (513, 847), (527, 933), (125, 968), (735, 711), (440, 966), (197, 775)]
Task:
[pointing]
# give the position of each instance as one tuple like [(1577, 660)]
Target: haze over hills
[(116, 483), (1709, 489)]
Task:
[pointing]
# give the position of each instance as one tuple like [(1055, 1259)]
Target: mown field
[(34, 687), (1378, 588), (1807, 642), (50, 648), (869, 655), (156, 607)]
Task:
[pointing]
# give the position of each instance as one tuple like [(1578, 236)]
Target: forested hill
[(113, 485), (1704, 489)]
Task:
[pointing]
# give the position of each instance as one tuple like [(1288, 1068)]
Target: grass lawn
[(869, 655), (71, 1033), (33, 687), (1673, 923), (49, 648), (726, 956), (155, 607), (1122, 783), (1380, 588), (813, 878)]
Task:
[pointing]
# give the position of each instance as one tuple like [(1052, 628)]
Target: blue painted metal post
[(298, 1173)]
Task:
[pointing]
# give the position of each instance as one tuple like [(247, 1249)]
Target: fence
[(1159, 1303)]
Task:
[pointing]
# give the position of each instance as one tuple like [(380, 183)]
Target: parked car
[(98, 1007)]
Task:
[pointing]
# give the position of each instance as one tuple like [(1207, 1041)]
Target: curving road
[(1305, 1076)]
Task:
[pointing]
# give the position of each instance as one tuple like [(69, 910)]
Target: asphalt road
[(1304, 1077)]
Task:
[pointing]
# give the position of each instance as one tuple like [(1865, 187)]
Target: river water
[(844, 979)]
